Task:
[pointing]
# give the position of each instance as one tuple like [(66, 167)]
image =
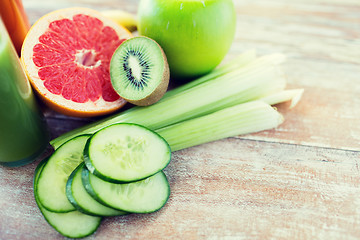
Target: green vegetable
[(126, 153), (241, 61), (235, 83), (240, 119), (52, 180), (81, 199), (144, 196), (293, 95)]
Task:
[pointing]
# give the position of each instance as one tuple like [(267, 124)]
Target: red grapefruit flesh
[(66, 56)]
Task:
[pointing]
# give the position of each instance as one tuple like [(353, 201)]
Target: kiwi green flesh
[(139, 71)]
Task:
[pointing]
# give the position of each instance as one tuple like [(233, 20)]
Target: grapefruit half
[(66, 55)]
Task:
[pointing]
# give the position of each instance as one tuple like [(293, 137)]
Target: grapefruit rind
[(55, 101)]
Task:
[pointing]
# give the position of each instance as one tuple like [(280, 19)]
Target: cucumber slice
[(81, 199), (53, 178), (145, 196), (126, 153), (71, 224)]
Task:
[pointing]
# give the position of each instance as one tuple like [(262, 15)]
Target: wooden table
[(299, 181)]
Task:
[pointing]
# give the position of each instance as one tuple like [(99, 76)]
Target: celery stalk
[(232, 121), (293, 95), (253, 81), (241, 61), (234, 67)]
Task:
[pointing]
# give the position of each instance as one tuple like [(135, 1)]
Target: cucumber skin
[(92, 169), (38, 170), (75, 203), (69, 195), (85, 175)]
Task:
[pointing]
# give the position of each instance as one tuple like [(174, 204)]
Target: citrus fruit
[(66, 55)]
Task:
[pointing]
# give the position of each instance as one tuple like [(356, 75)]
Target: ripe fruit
[(125, 19), (139, 71), (67, 54), (195, 34)]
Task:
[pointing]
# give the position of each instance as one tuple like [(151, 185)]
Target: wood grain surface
[(299, 181)]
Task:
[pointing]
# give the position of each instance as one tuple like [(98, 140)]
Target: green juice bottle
[(23, 130)]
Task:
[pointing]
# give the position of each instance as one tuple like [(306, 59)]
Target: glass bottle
[(23, 130)]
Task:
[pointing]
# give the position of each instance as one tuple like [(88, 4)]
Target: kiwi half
[(139, 71)]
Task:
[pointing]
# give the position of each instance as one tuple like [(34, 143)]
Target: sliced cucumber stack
[(126, 153), (82, 200), (73, 224), (127, 161)]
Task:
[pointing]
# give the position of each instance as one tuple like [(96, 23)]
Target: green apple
[(195, 34)]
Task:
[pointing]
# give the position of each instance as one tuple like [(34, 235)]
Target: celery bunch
[(240, 119), (232, 100)]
